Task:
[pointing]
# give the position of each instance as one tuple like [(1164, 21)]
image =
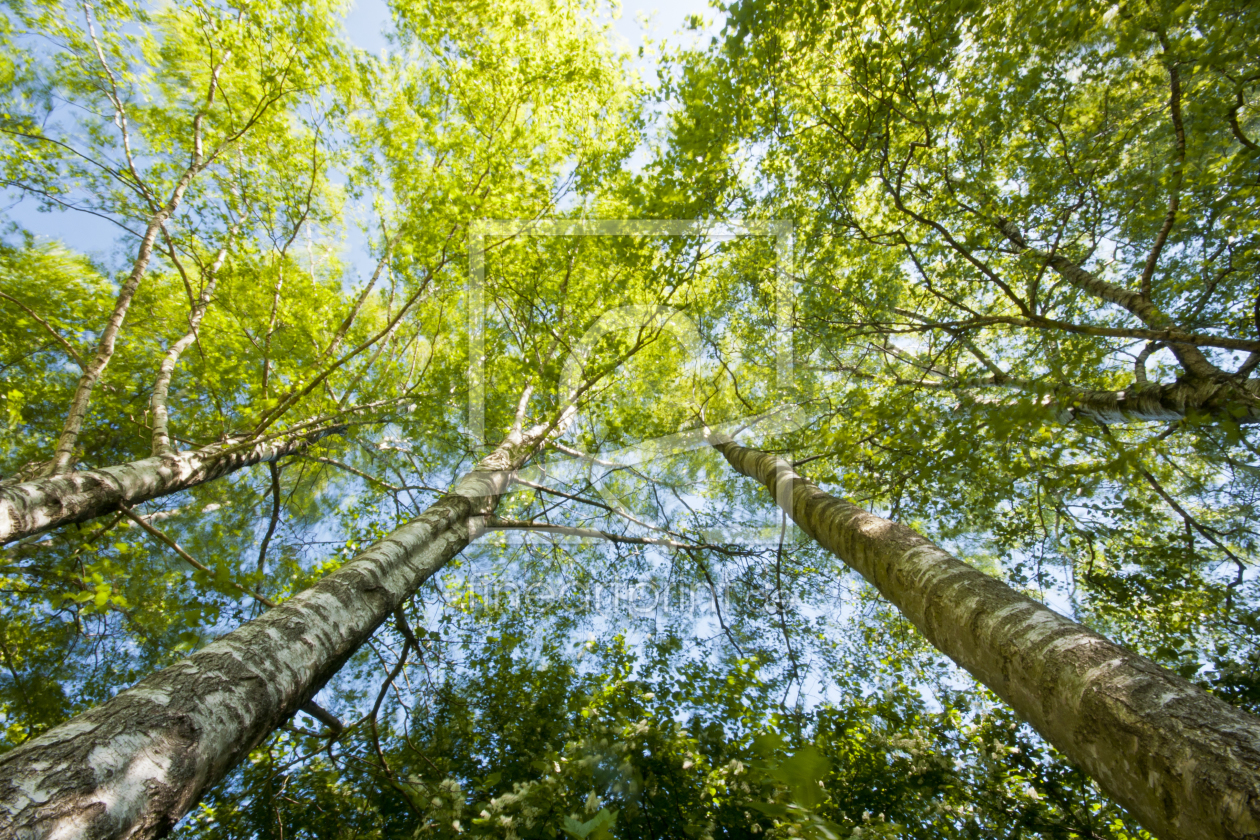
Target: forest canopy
[(838, 421)]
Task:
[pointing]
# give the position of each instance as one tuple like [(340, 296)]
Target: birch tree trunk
[(63, 457), (31, 507), (136, 764), (1185, 764), (1223, 398), (1234, 398), (162, 385)]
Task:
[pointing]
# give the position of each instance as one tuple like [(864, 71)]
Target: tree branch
[(74, 354), (188, 558)]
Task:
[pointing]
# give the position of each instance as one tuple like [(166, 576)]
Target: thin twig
[(188, 558), (74, 354)]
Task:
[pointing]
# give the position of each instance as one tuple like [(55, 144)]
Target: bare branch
[(1179, 174), (188, 558), (495, 523), (74, 354)]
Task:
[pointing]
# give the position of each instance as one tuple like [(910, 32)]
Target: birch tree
[(156, 772), (140, 169), (351, 655), (981, 224), (1183, 762), (1076, 198), (136, 169), (299, 398), (371, 345), (135, 765)]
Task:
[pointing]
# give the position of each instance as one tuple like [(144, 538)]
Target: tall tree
[(1184, 763), (957, 367), (134, 766), (223, 74), (995, 238), (1078, 197), (520, 94)]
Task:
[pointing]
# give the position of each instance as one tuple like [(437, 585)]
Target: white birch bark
[(1185, 764), (162, 385), (136, 764), (1221, 398), (31, 507), (63, 457)]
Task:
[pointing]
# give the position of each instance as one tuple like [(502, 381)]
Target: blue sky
[(664, 19)]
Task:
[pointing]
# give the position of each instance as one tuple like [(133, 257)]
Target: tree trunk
[(1141, 402), (63, 457), (1221, 398), (135, 765), (1185, 764), (161, 386), (32, 507)]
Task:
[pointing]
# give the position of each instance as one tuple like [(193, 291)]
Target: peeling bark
[(135, 765), (1185, 764), (31, 507)]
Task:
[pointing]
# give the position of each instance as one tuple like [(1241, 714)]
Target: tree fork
[(63, 457), (32, 507), (133, 766), (1185, 764)]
